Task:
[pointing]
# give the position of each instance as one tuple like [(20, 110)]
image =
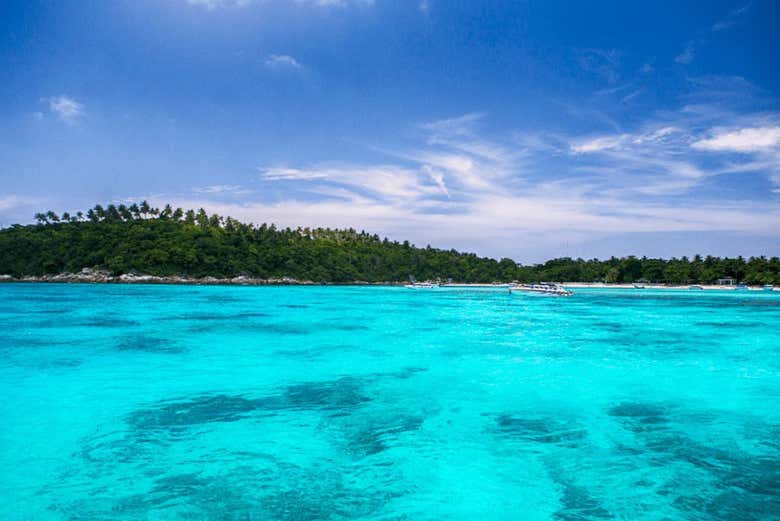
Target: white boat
[(639, 286), (422, 285), (741, 287), (695, 286), (543, 288), (768, 287)]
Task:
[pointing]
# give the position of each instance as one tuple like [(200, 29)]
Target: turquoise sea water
[(304, 403)]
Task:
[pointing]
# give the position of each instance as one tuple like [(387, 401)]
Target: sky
[(521, 129)]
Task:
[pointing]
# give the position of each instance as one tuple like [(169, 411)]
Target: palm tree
[(112, 214), (124, 213)]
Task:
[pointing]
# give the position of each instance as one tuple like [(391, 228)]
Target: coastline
[(89, 276), (687, 287)]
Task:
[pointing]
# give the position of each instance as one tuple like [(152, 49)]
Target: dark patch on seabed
[(730, 324), (343, 326), (109, 322), (408, 372), (147, 344), (378, 433), (217, 316), (220, 299), (280, 328), (577, 504), (331, 397), (612, 327), (760, 303), (546, 430), (258, 487), (664, 344), (196, 411), (743, 486), (60, 363)]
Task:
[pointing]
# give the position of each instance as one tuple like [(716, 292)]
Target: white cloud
[(380, 182), (460, 185), (688, 54), (741, 140), (221, 189), (282, 61), (11, 201), (65, 108), (215, 4), (732, 19), (438, 178), (599, 144), (500, 222), (16, 208)]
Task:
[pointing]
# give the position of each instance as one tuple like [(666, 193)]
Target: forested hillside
[(141, 239), (174, 242)]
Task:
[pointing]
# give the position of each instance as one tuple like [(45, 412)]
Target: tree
[(225, 247), (112, 214), (124, 213), (202, 218)]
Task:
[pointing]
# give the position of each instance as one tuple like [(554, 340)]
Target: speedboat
[(695, 286), (543, 288), (768, 287), (422, 285), (741, 287), (639, 286)]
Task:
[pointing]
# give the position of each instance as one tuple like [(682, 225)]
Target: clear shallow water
[(231, 403)]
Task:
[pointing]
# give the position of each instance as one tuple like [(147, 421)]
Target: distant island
[(130, 242)]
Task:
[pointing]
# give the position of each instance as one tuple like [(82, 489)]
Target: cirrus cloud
[(741, 140)]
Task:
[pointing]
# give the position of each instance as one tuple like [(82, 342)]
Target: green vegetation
[(141, 239)]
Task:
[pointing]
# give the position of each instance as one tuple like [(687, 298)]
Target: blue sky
[(522, 129)]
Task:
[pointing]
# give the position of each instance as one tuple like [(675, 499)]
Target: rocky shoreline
[(91, 276), (95, 276)]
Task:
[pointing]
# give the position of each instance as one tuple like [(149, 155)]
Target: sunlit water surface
[(293, 403)]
